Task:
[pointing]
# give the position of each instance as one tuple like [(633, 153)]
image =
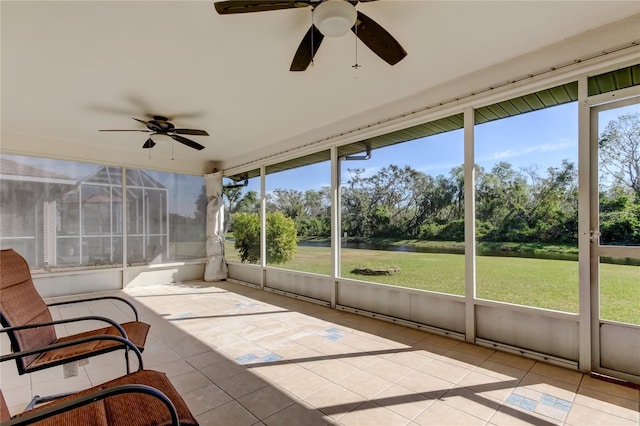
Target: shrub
[(246, 230), (453, 231), (281, 237)]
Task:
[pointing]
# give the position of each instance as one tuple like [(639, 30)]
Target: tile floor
[(240, 356)]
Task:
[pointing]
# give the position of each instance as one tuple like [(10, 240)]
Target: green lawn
[(549, 284)]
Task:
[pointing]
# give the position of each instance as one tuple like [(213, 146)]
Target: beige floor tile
[(228, 414), (389, 370), (442, 414), (411, 358), (299, 354), (115, 359), (411, 335), (610, 388), (608, 403), (303, 383), (175, 368), (105, 373), (46, 375), (402, 401), (425, 383), (265, 402), (298, 415), (371, 414), (580, 415), (204, 399), (157, 352), (429, 350), (479, 351), (70, 384), (242, 384), (205, 359), (17, 398), (337, 349), (276, 372), (463, 359), (243, 349), (470, 402), (510, 416), (222, 370), (335, 401), (362, 361), (218, 340), (333, 370), (375, 373), (512, 360), (488, 386), (186, 345), (500, 371), (547, 385), (442, 341), (555, 372), (189, 381), (365, 384), (445, 370), (366, 344)]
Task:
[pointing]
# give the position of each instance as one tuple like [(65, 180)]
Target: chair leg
[(37, 399)]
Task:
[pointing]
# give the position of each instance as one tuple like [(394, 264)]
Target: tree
[(620, 152), (232, 195), (288, 201), (249, 203), (281, 237), (246, 231), (619, 220)]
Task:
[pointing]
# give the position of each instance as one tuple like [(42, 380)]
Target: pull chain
[(356, 65), (312, 31)]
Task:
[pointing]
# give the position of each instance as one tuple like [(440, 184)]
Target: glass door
[(615, 238)]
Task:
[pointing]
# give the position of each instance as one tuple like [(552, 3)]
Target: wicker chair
[(142, 398), (28, 323)]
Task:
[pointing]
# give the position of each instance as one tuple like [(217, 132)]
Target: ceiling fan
[(161, 125), (331, 18)]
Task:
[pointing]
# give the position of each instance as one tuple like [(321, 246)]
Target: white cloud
[(541, 148)]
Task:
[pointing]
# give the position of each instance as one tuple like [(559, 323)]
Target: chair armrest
[(126, 343), (49, 411), (67, 320), (123, 300)]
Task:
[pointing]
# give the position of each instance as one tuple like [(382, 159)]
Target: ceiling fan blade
[(245, 6), (194, 132), (378, 39), (307, 49), (125, 130), (187, 142), (141, 121), (149, 144)]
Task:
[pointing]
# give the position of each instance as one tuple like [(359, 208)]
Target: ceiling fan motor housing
[(160, 124), (334, 18)]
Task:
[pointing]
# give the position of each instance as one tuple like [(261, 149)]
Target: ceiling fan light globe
[(334, 18)]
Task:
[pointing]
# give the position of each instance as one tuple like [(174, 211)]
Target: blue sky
[(539, 139)]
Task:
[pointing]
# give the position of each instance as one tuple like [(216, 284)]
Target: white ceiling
[(71, 68)]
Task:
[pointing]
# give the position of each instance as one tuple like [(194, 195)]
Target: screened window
[(241, 195), (402, 208), (527, 207), (61, 214), (166, 217), (299, 214)]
